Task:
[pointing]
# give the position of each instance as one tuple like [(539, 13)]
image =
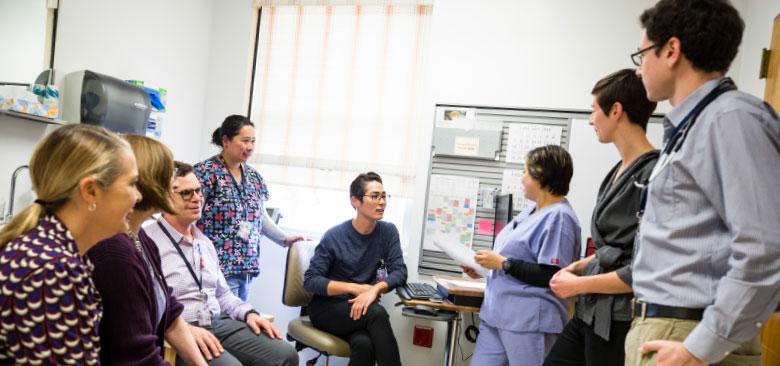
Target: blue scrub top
[(550, 236)]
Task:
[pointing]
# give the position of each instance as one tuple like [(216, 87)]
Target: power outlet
[(423, 336)]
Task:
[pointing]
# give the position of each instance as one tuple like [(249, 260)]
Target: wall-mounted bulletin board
[(478, 152)]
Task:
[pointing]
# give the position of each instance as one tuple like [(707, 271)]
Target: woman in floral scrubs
[(234, 215)]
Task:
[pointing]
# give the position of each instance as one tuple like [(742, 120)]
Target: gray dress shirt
[(710, 235)]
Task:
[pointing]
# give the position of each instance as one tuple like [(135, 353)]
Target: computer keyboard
[(419, 290)]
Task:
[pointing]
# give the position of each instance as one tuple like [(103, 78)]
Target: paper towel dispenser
[(102, 100)]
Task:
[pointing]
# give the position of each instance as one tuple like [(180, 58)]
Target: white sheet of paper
[(461, 254), (466, 284)]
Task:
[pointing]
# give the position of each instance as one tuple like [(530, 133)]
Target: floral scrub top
[(49, 307), (233, 214)]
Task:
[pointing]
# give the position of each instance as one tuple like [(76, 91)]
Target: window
[(337, 92)]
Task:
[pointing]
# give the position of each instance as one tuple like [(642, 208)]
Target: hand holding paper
[(462, 255), (489, 259)]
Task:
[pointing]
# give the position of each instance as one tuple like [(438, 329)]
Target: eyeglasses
[(637, 56), (186, 194), (376, 196)]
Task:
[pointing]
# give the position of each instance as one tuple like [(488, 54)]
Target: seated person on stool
[(227, 329), (354, 263)]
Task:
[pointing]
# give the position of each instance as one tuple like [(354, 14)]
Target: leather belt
[(648, 310)]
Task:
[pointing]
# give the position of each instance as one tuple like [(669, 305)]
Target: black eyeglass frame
[(186, 194), (638, 56), (377, 197)]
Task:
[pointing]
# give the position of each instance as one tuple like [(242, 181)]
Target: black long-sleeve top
[(534, 274)]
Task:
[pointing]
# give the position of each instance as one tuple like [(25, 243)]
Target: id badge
[(204, 318), (244, 229), (381, 272), (204, 314)]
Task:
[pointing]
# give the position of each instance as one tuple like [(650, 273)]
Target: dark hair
[(231, 126), (358, 186), (626, 88), (182, 169), (552, 167), (710, 31)]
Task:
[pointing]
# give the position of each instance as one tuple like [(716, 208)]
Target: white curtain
[(336, 93)]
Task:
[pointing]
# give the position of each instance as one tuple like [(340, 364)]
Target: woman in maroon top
[(139, 309), (84, 177)]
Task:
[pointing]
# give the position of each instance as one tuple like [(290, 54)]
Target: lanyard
[(240, 188), (679, 135), (181, 253)]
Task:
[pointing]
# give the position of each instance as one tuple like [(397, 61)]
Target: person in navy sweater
[(355, 262)]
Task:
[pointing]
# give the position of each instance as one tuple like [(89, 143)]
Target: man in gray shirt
[(706, 272)]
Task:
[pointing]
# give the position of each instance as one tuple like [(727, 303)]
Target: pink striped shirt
[(219, 297)]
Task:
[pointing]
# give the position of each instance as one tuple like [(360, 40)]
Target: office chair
[(301, 329)]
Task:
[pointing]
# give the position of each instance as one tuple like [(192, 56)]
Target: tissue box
[(43, 101)]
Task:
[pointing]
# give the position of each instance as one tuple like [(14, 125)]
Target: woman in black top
[(596, 334)]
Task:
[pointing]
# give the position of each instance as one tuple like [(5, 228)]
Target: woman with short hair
[(520, 317), (596, 335), (84, 178)]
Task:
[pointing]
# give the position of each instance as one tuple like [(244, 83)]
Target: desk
[(452, 313)]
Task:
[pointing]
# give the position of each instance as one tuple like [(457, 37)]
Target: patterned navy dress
[(49, 307), (227, 204)]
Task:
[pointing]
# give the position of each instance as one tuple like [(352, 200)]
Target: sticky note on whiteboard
[(485, 227)]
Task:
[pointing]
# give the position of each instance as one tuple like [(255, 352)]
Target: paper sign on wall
[(466, 146), (524, 137)]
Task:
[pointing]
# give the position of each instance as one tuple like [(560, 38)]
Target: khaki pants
[(649, 329)]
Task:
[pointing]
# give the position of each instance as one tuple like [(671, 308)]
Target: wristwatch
[(505, 265), (246, 316)]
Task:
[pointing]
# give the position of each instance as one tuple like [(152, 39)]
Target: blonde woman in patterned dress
[(85, 178)]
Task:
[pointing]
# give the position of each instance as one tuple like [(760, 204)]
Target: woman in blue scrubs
[(520, 317)]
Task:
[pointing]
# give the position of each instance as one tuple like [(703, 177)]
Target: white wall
[(230, 63), (23, 26), (164, 43)]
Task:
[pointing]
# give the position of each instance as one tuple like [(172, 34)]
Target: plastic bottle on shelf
[(163, 98)]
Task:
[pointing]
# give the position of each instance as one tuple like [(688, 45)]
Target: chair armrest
[(170, 353)]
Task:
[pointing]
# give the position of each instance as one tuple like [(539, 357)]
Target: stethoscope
[(678, 136)]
